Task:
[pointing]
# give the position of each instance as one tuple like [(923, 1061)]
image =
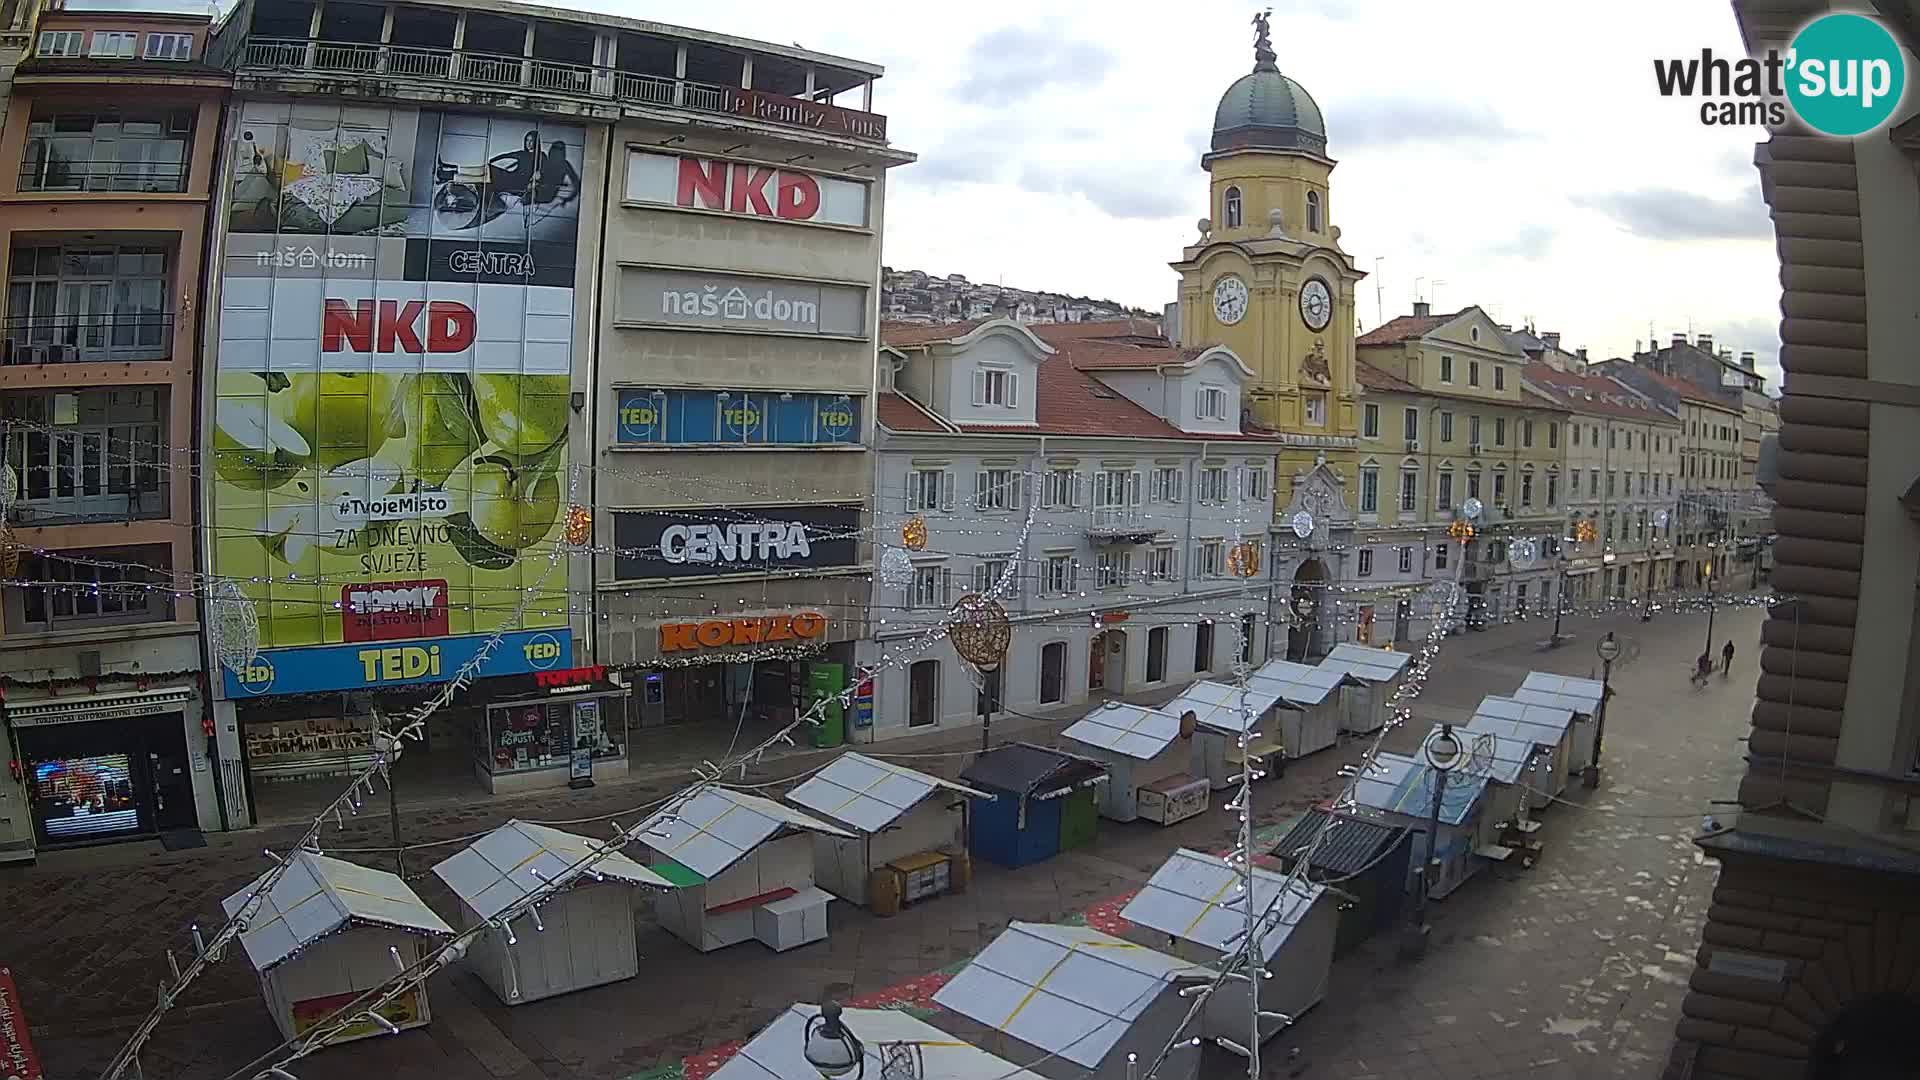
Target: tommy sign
[(738, 302), (744, 188), (667, 544)]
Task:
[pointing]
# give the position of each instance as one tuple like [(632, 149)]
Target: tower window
[(1313, 211), (1233, 208)]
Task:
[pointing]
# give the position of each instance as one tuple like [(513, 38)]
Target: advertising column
[(393, 393)]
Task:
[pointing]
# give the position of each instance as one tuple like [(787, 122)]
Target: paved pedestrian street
[(1572, 969)]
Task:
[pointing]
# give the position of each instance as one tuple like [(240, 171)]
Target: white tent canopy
[(1543, 724), (1366, 662), (870, 794), (1299, 685), (1192, 897), (1221, 707), (316, 896), (509, 863), (1560, 691), (1134, 731), (777, 1052), (718, 827)]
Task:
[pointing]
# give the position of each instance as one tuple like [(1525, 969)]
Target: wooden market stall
[(909, 830), (1221, 714), (1400, 791), (778, 1052), (741, 867), (1043, 803), (1367, 858), (1374, 673), (1072, 1003), (1515, 769), (1192, 899), (1581, 697), (1546, 726), (1310, 711), (1147, 756), (328, 932), (584, 935)]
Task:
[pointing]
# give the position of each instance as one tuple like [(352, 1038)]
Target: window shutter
[(1013, 389), (980, 489), (946, 489), (946, 586), (1016, 489), (1133, 488), (979, 386), (1079, 489), (1179, 485)]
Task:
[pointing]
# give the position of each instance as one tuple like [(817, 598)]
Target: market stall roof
[(1350, 847), (1299, 685), (1366, 662), (778, 1051), (1218, 705), (1504, 758), (1133, 730), (1543, 724), (316, 896), (870, 794), (1402, 785), (1192, 897), (718, 827), (1031, 771), (1560, 691), (1071, 991), (506, 865)]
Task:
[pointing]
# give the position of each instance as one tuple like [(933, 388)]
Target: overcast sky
[(1515, 150)]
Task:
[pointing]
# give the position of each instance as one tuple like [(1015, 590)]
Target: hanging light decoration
[(1461, 529), (1243, 560), (9, 491), (896, 568), (978, 628), (233, 625), (579, 525), (1584, 531), (914, 533), (9, 550)]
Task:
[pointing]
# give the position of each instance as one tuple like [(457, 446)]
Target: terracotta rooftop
[(906, 334), (1068, 402), (1142, 332), (900, 413), (1374, 379), (1590, 394), (1404, 327), (1093, 354)]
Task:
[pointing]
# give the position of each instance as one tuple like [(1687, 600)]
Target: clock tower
[(1267, 277)]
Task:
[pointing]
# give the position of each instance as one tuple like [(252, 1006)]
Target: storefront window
[(543, 735)]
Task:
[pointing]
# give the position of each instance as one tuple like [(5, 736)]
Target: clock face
[(1316, 304), (1230, 299)]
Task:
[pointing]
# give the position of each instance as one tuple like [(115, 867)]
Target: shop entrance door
[(172, 773), (99, 780)]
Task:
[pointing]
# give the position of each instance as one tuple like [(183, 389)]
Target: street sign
[(1608, 649)]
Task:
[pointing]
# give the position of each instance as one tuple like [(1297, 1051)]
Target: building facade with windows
[(1146, 494), (107, 168), (1455, 382)]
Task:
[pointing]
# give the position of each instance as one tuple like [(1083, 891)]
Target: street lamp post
[(1443, 752), (830, 1046), (1709, 572), (1609, 650)]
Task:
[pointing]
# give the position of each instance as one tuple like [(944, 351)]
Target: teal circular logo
[(1845, 74)]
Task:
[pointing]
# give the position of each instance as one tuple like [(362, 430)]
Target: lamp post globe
[(1443, 749), (830, 1047)]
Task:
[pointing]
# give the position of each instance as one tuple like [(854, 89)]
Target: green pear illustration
[(344, 416), (522, 414), (446, 433), (503, 506), (252, 448)]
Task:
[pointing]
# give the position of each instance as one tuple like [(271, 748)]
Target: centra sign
[(722, 633)]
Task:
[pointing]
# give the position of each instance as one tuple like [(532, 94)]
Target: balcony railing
[(87, 472), (54, 175), (1128, 524), (80, 339), (548, 76)]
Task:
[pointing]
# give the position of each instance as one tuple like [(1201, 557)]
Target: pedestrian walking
[(1726, 658)]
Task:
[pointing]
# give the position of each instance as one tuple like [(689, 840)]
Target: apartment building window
[(1409, 491), (1114, 569), (1213, 484), (1499, 377), (1369, 490), (996, 489), (1499, 488), (87, 455), (1313, 211), (61, 42), (113, 44), (1499, 431), (1213, 403), (1553, 435), (1255, 483), (1473, 373), (1613, 439), (1526, 433), (1232, 208), (169, 47), (1446, 369), (1440, 556), (1643, 483), (1410, 425), (1406, 560), (1167, 485), (996, 386), (1610, 476), (1063, 489), (1370, 421), (1640, 526), (1203, 647), (1446, 427), (1526, 487), (988, 574), (1248, 628), (1473, 431), (1060, 575), (1161, 563), (1366, 562), (96, 587), (98, 304), (1669, 483), (929, 489), (1643, 441), (1553, 489), (1593, 482), (1473, 483), (1444, 499), (932, 588), (1213, 558), (1157, 654), (1316, 404)]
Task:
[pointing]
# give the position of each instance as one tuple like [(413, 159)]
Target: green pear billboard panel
[(394, 372)]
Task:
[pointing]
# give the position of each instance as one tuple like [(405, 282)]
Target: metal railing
[(81, 339), (52, 174), (87, 472), (1104, 519)]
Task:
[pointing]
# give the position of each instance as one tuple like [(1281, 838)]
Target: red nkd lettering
[(703, 184), (799, 197), (392, 326)]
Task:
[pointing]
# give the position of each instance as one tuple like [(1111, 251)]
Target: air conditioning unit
[(42, 354), (1413, 444), (1474, 449)]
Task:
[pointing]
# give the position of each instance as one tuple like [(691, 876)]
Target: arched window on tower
[(1313, 211), (1233, 208)]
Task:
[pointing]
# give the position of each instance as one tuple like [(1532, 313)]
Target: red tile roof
[(1588, 393), (1096, 355), (1069, 402), (906, 334), (1687, 390), (1404, 327), (1143, 331), (1374, 379), (899, 413)]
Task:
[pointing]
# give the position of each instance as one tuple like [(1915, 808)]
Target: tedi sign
[(1843, 75)]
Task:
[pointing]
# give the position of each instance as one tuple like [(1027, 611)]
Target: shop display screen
[(85, 796), (530, 737)]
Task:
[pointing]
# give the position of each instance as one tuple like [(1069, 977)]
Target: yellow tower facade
[(1267, 277)]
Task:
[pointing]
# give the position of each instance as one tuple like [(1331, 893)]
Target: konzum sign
[(724, 633), (745, 188)]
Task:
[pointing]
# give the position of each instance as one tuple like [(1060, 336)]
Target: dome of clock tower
[(1265, 110)]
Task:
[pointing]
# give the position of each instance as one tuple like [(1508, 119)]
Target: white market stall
[(1373, 674), (1546, 726), (1221, 714), (887, 1038), (1148, 758), (1071, 1003), (1192, 899), (1310, 712), (1515, 768), (584, 935), (742, 867), (328, 932), (908, 829), (1578, 696), (1400, 790)]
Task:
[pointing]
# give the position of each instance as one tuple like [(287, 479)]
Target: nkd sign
[(738, 302), (745, 188)]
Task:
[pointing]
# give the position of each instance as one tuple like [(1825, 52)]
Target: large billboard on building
[(393, 389)]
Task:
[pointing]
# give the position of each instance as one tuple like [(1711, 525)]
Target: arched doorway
[(1307, 601), (1872, 1039), (1107, 662)]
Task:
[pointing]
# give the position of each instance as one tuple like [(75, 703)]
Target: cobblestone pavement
[(1573, 969)]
